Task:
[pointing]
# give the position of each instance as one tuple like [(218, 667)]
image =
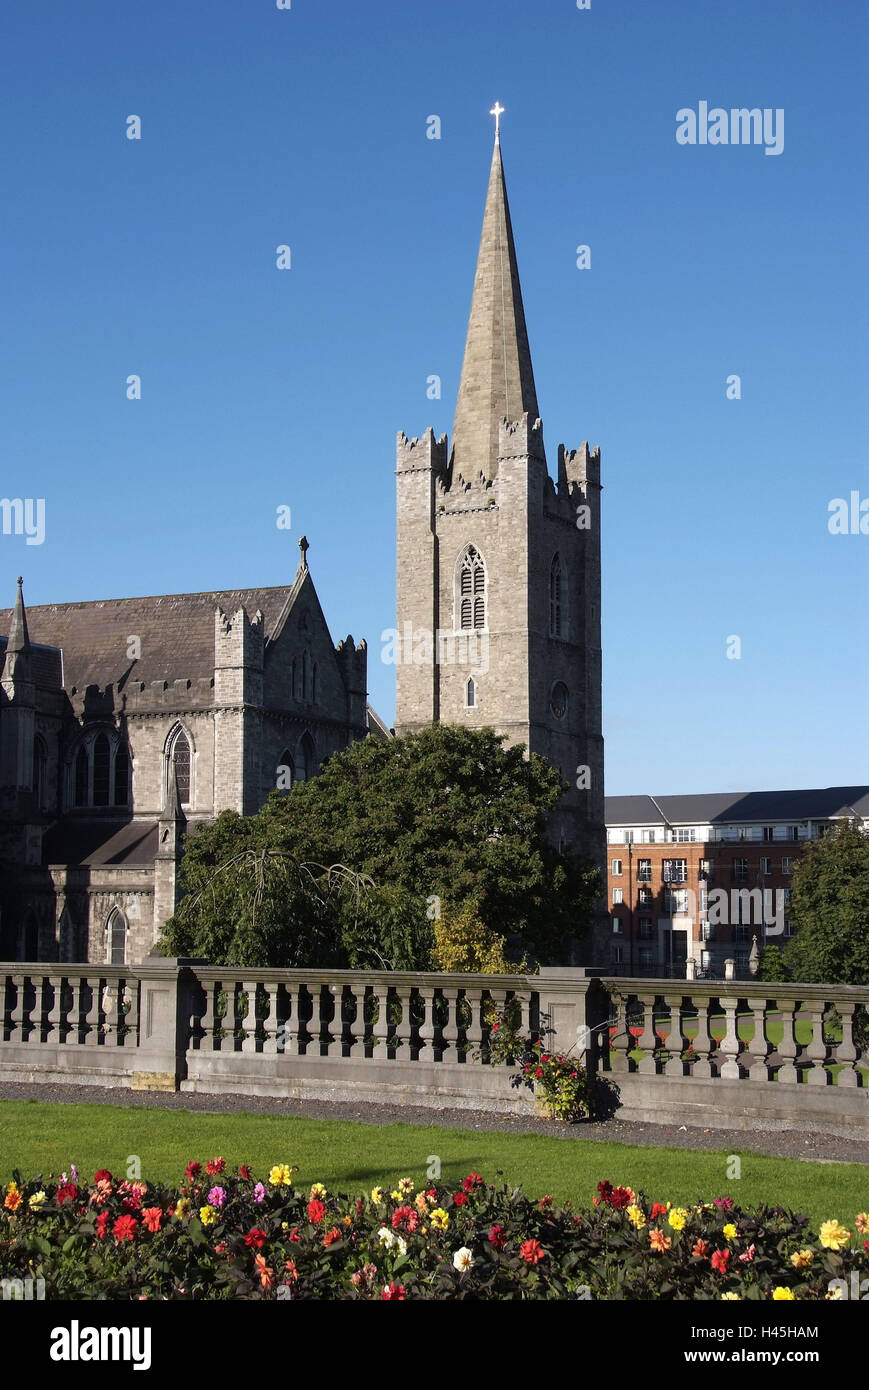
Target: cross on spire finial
[(497, 111)]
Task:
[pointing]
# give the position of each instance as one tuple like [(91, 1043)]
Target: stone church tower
[(500, 564)]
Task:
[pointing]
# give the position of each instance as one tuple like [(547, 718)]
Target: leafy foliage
[(342, 870), (829, 909)]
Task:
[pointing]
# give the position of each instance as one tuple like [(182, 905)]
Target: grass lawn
[(38, 1137)]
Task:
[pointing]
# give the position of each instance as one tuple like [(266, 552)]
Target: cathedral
[(125, 724)]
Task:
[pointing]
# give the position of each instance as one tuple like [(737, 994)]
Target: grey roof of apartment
[(709, 808)]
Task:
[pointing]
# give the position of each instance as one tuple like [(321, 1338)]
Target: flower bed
[(221, 1235)]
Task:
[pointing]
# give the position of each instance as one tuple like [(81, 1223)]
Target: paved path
[(798, 1144)]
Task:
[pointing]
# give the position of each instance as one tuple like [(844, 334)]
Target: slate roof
[(101, 842), (176, 632), (709, 808)]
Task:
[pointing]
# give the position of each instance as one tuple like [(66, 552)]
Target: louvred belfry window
[(472, 590)]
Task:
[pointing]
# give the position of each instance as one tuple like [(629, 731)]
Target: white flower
[(401, 1243), (386, 1237), (463, 1259)]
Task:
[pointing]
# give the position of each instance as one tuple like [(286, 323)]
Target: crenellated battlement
[(421, 455), (579, 466), (521, 438), (238, 639)]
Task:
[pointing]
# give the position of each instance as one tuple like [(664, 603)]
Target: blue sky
[(263, 388)]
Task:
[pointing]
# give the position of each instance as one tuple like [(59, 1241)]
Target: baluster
[(846, 1053), (647, 1040), (817, 1051), (760, 1047), (380, 1029), (70, 1034), (250, 1021), (426, 1029), (402, 1034), (111, 1010), (787, 1048), (702, 1044), (450, 1030), (4, 999), (16, 1019), (92, 1017), (522, 998), (351, 1028), (474, 1030), (675, 1043), (620, 1041), (729, 1045), (270, 1020), (52, 984)]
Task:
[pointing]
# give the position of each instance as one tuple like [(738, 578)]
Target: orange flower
[(331, 1236), (658, 1240), (700, 1249), (292, 1272), (151, 1216), (532, 1252), (266, 1274), (13, 1201)]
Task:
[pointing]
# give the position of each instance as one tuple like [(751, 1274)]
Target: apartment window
[(617, 953), (788, 927), (787, 864), (629, 837), (650, 837), (645, 928), (676, 901), (645, 897), (617, 925), (647, 957), (739, 870), (683, 835), (765, 865), (706, 931), (617, 868), (795, 832), (618, 895), (644, 870), (785, 896), (675, 870), (769, 832)]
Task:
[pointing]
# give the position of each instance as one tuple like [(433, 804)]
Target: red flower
[(606, 1191), (720, 1260), (621, 1198), (331, 1236), (360, 1206), (573, 1076), (131, 1203), (405, 1219), (102, 1175), (545, 1057), (471, 1181), (544, 1203), (532, 1252), (215, 1165), (459, 1199), (316, 1210), (245, 1173), (497, 1237), (102, 1224), (294, 1235), (495, 1027), (255, 1236), (658, 1209), (66, 1193), (152, 1216), (431, 1192), (193, 1170), (124, 1228), (392, 1292), (538, 1071)]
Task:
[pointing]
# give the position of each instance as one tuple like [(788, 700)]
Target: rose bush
[(250, 1237)]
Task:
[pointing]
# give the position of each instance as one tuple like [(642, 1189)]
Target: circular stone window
[(558, 700)]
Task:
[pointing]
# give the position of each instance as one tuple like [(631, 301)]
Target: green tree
[(771, 966), (352, 866), (829, 910)]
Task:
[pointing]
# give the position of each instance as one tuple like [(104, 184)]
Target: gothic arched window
[(122, 776), (556, 598), (304, 759), (470, 694), (102, 758), (39, 771), (181, 758), (116, 934), (81, 776), (472, 589)]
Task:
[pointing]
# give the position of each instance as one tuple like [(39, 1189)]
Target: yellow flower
[(636, 1216), (834, 1293), (801, 1258), (677, 1218), (13, 1186), (729, 1231), (833, 1236), (36, 1201), (318, 1190), (439, 1219), (281, 1175), (395, 1195), (862, 1222), (182, 1207), (207, 1215), (377, 1194), (783, 1295), (730, 1298)]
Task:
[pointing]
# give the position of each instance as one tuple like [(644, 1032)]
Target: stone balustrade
[(736, 1054)]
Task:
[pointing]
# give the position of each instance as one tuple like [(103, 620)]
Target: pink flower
[(749, 1254), (217, 1197)]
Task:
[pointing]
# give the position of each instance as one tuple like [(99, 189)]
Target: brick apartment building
[(697, 878)]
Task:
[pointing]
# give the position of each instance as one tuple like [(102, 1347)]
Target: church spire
[(497, 377), (19, 637)]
